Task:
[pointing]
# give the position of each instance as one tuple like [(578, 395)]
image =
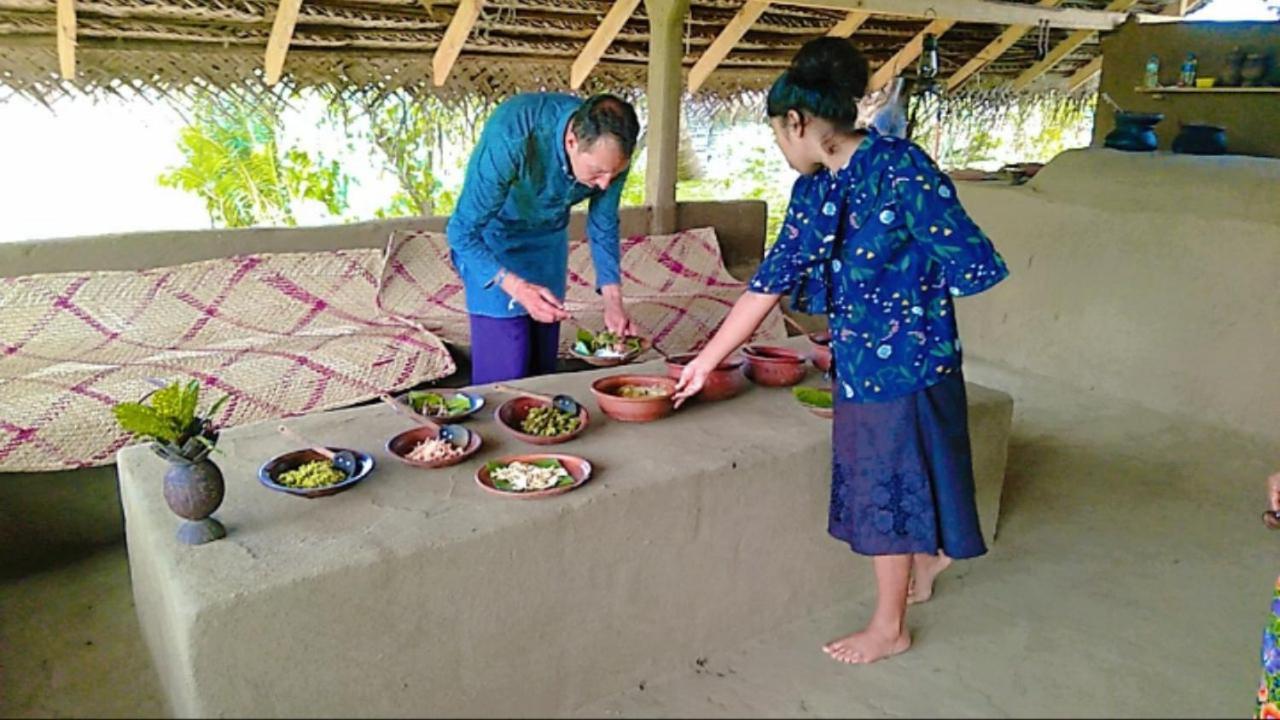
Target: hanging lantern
[(929, 58)]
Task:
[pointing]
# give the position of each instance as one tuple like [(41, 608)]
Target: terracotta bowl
[(280, 464), (821, 356), (477, 404), (404, 443), (722, 383), (774, 366), (634, 409), (513, 412), (613, 361), (579, 468)]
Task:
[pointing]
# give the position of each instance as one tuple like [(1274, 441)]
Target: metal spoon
[(455, 435), (561, 402), (344, 460)]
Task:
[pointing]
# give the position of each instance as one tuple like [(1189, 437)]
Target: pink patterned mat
[(676, 286), (282, 334)]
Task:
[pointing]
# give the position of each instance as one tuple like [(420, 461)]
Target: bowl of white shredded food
[(531, 476)]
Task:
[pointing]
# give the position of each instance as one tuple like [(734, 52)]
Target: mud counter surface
[(416, 592)]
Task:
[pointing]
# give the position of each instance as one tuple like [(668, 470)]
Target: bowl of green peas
[(539, 423)]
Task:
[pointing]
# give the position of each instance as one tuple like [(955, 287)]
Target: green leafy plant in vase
[(193, 484)]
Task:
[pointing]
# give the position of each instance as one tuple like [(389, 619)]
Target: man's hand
[(616, 319), (541, 304)]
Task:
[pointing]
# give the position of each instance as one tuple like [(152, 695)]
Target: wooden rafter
[(600, 41), (281, 36), (908, 54), (1177, 8), (464, 18), (1084, 74), (724, 42), (993, 51), (980, 11), (67, 38), (1064, 48), (850, 24)]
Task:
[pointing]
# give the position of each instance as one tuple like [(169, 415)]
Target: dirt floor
[(1131, 577)]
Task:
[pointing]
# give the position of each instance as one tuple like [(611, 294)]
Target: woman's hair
[(826, 79)]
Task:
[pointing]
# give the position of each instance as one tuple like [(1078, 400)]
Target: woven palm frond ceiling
[(169, 47)]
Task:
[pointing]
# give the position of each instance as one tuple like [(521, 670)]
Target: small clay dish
[(774, 366), (280, 464), (597, 361), (578, 468), (477, 404), (404, 443), (722, 383), (635, 409), (512, 413)]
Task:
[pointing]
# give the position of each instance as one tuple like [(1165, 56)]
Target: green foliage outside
[(234, 162)]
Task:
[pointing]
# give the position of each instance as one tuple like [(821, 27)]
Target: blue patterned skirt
[(902, 475)]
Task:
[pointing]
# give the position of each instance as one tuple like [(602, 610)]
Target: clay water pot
[(774, 366), (194, 490), (1134, 132), (1201, 140)]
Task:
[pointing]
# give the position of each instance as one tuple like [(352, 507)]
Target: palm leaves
[(233, 161), (170, 420)]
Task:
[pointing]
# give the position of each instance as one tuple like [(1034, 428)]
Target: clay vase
[(1134, 132), (1201, 140), (194, 490), (1254, 69), (1231, 70)]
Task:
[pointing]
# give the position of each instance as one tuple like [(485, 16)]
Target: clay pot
[(1254, 69), (194, 490), (627, 409), (774, 366), (1134, 132), (1201, 140), (512, 413), (404, 443), (722, 383)]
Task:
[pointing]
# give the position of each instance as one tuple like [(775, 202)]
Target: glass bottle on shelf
[(1152, 77), (1187, 78)]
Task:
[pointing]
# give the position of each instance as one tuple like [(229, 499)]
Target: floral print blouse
[(881, 247)]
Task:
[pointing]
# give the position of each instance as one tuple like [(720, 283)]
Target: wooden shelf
[(1188, 90)]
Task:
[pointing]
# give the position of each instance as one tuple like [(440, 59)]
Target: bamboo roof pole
[(666, 55), (464, 18), (67, 38), (993, 51), (612, 23), (849, 25), (281, 35), (1064, 48), (724, 42)]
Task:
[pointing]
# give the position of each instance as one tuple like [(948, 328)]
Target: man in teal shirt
[(539, 155)]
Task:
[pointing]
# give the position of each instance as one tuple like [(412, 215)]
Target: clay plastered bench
[(416, 593)]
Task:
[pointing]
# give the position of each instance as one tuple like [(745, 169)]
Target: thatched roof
[(171, 46)]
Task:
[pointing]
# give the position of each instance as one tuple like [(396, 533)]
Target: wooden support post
[(724, 42), (600, 41), (281, 36), (1064, 48), (907, 54), (464, 18), (849, 25), (1085, 74), (993, 51), (67, 39), (666, 55)]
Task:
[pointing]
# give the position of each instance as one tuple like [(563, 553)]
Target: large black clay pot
[(1201, 140), (1135, 132)]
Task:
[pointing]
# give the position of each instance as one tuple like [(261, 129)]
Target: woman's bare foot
[(868, 646), (924, 570)]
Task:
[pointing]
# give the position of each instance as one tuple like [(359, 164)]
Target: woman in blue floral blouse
[(1268, 706), (875, 239)]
